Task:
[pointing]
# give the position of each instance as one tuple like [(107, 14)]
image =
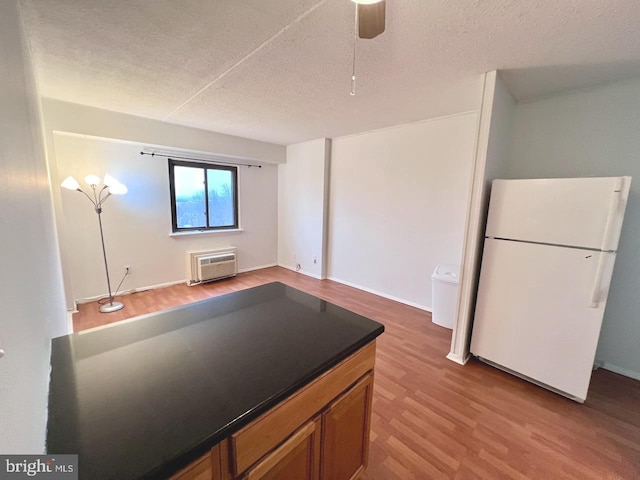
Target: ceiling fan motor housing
[(371, 19)]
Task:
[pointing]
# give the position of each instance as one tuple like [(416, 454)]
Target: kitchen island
[(268, 382)]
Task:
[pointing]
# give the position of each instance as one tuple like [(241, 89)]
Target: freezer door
[(535, 313), (580, 212)]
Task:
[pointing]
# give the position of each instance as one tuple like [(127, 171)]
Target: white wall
[(398, 200), (593, 132), (30, 279), (73, 118), (303, 207), (137, 225), (491, 158)]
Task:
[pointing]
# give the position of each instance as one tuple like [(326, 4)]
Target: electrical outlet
[(315, 260), (127, 269)]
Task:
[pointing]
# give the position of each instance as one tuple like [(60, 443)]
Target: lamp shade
[(118, 189), (70, 183), (109, 181), (92, 180)]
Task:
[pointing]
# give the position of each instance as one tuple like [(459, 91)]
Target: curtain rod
[(178, 157)]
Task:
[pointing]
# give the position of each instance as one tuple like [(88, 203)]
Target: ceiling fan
[(369, 23), (371, 17)]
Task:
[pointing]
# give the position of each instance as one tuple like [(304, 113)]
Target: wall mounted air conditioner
[(208, 265)]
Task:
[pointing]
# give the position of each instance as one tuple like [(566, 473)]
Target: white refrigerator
[(549, 251)]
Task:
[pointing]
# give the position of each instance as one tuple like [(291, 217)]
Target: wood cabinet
[(345, 433), (321, 432), (298, 457), (199, 470), (262, 435)]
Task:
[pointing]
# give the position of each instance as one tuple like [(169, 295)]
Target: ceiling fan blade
[(371, 19)]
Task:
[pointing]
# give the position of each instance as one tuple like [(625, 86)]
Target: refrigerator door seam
[(552, 244)]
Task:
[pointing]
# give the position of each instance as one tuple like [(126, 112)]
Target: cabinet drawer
[(198, 470), (269, 430)]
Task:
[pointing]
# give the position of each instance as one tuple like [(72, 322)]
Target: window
[(203, 196)]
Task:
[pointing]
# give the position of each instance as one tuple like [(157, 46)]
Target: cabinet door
[(345, 433), (297, 458)]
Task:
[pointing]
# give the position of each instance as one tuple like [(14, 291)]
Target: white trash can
[(445, 280)]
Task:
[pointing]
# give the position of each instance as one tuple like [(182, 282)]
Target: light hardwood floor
[(434, 419)]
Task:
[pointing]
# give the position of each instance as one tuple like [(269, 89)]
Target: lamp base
[(111, 307)]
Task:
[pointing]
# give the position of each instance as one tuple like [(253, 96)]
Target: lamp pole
[(111, 306), (111, 187)]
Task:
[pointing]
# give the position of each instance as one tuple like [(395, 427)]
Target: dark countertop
[(142, 398)]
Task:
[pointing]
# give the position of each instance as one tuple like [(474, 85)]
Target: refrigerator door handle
[(595, 290), (612, 227), (602, 271), (613, 217)]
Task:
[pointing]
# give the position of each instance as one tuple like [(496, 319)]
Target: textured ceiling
[(279, 70)]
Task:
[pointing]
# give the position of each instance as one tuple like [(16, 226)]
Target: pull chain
[(353, 65)]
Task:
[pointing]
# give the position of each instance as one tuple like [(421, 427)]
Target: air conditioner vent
[(205, 266)]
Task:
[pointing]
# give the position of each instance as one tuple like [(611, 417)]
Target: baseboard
[(259, 267), (80, 301), (454, 357), (619, 370), (381, 294), (304, 272), (70, 319)]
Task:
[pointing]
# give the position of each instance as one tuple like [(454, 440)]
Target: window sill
[(205, 232)]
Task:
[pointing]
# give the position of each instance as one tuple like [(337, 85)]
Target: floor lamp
[(110, 186)]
